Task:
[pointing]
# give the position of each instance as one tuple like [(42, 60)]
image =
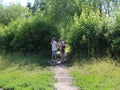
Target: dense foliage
[(11, 13), (31, 34), (115, 38), (90, 27), (88, 37)]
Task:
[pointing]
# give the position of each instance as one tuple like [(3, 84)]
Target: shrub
[(31, 34), (83, 37), (88, 37), (8, 33), (115, 38)]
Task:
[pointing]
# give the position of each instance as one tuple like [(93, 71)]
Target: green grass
[(102, 74), (25, 72)]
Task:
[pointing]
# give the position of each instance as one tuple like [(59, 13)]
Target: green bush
[(83, 37), (88, 38), (115, 38), (31, 34), (8, 33), (102, 40)]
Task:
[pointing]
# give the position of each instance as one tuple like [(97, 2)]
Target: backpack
[(63, 46)]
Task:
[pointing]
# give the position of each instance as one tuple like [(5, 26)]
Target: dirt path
[(63, 79)]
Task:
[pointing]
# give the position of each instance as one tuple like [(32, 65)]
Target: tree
[(38, 5), (11, 13)]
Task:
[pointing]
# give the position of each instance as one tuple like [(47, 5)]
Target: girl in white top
[(54, 48)]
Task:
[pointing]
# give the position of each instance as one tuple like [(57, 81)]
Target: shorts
[(53, 53)]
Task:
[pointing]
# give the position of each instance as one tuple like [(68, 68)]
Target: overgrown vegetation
[(92, 36), (101, 74), (91, 28), (25, 72), (28, 35)]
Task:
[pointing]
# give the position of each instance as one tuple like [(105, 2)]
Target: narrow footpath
[(63, 79)]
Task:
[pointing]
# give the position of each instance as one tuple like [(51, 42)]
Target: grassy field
[(33, 72), (25, 72), (102, 74)]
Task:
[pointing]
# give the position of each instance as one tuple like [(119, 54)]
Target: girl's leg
[(62, 57), (53, 55)]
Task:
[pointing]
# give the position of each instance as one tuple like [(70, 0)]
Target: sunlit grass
[(102, 74), (19, 72)]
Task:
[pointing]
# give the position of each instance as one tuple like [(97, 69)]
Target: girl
[(54, 48), (62, 49)]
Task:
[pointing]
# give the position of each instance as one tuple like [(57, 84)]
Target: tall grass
[(25, 72), (41, 59), (102, 74)]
